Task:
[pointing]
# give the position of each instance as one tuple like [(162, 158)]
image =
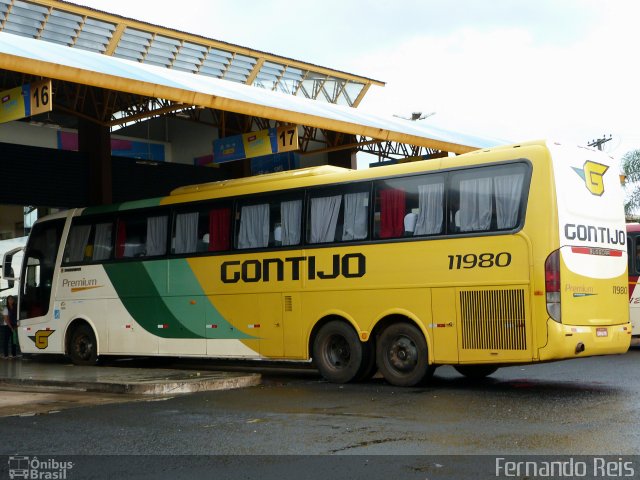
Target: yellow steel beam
[(189, 97)]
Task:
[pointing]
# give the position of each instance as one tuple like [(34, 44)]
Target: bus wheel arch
[(338, 352), (81, 344), (402, 351)]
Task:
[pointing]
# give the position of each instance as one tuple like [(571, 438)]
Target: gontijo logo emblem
[(592, 174), (41, 338)]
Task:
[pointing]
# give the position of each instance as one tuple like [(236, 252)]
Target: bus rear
[(586, 277)]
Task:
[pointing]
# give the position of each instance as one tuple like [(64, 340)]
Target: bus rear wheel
[(338, 352), (83, 349), (402, 355), (475, 372)]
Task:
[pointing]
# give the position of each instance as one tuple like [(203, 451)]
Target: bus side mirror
[(7, 270)]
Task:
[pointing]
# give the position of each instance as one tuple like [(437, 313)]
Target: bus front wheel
[(83, 349), (338, 352), (402, 355)]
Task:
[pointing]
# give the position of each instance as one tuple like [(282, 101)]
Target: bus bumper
[(572, 341)]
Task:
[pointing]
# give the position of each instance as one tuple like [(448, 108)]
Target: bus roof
[(269, 177)]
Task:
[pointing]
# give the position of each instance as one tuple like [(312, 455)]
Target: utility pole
[(599, 142)]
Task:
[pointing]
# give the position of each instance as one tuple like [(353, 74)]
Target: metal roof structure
[(46, 59), (84, 28)]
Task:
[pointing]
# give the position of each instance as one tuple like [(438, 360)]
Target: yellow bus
[(505, 256)]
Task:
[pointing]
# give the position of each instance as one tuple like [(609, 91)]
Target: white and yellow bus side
[(505, 256)]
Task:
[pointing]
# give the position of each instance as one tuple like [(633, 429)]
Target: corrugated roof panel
[(132, 32), (166, 40), (21, 30), (59, 15), (201, 49), (16, 19), (61, 29), (210, 71), (159, 52), (235, 77), (30, 6), (57, 37), (128, 53), (92, 37), (185, 66), (157, 59), (182, 56), (38, 9), (90, 46)]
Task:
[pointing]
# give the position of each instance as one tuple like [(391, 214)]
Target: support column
[(95, 141)]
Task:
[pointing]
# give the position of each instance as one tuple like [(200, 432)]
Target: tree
[(631, 170)]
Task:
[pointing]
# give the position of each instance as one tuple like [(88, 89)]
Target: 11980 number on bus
[(483, 260)]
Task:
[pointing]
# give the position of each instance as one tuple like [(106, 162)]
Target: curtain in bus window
[(102, 244), (324, 218), (77, 243), (290, 217), (392, 210), (186, 240), (156, 243), (430, 216), (219, 229), (508, 193), (254, 226), (355, 222), (475, 204)]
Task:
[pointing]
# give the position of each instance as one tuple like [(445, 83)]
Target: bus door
[(36, 283)]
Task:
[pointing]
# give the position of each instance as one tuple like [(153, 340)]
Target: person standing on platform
[(10, 327)]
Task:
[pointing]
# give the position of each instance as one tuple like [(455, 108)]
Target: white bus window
[(274, 223), (254, 226), (77, 243), (486, 199), (103, 242), (324, 218)]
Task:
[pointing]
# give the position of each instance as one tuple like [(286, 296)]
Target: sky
[(517, 70)]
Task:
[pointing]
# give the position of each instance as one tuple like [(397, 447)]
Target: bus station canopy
[(58, 62)]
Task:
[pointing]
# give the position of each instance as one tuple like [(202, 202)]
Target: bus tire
[(368, 367), (475, 372), (402, 355), (83, 348), (337, 352)]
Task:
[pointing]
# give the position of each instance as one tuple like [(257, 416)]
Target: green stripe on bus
[(142, 289)]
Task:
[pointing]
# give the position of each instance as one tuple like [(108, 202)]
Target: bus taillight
[(552, 284)]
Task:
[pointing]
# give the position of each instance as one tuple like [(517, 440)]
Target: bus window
[(486, 199), (141, 236), (88, 242), (202, 229), (339, 214), (275, 221), (411, 206)]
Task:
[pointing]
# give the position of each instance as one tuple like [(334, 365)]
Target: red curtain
[(392, 210), (219, 229), (121, 237)]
